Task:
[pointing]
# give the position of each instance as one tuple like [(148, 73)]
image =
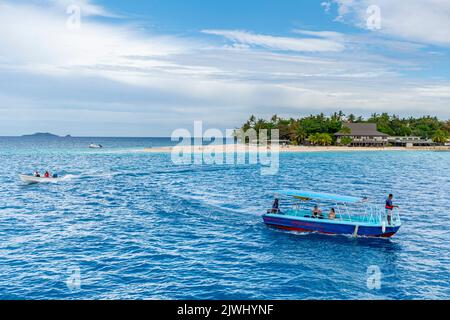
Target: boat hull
[(32, 179), (329, 227)]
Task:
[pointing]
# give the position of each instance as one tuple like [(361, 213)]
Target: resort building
[(410, 142), (362, 135)]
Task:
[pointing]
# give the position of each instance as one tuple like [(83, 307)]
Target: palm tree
[(374, 117), (323, 139), (314, 138), (346, 130), (274, 119), (440, 136), (351, 117), (302, 135), (447, 126), (345, 141), (252, 120)]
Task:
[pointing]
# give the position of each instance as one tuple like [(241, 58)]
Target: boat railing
[(395, 217), (368, 213), (379, 216)]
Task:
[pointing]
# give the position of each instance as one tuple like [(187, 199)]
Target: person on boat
[(47, 174), (275, 206), (332, 214), (316, 211), (37, 174), (54, 176), (390, 207)]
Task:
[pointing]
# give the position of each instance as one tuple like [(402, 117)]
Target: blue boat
[(354, 216)]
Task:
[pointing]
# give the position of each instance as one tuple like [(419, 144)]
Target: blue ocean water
[(131, 225)]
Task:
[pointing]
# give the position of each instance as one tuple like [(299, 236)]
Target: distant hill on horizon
[(43, 135)]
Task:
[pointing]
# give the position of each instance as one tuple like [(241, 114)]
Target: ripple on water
[(138, 227)]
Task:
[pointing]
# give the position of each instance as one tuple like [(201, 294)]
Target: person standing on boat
[(275, 206), (390, 207)]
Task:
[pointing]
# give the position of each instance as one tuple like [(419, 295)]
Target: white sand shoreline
[(241, 148)]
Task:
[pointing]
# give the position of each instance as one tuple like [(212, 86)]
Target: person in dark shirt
[(317, 212), (275, 206), (389, 207)]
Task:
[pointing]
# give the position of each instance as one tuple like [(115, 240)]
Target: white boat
[(95, 146), (32, 179)]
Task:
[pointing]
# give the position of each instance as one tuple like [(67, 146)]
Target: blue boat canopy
[(308, 195)]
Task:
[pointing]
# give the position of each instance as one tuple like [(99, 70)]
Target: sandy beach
[(238, 148)]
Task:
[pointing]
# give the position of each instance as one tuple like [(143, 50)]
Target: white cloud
[(322, 34), (326, 6), (424, 21), (39, 39), (281, 43), (109, 79), (435, 91)]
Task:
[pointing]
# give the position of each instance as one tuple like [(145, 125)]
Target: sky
[(146, 68)]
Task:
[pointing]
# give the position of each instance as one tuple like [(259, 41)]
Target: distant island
[(44, 135)]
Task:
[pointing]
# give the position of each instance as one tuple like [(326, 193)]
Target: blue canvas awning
[(308, 195)]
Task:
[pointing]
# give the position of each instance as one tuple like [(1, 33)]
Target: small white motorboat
[(95, 146), (32, 179)]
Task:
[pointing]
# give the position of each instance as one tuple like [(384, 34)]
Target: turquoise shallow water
[(133, 225)]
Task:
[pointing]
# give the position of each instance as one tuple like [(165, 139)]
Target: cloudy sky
[(145, 68)]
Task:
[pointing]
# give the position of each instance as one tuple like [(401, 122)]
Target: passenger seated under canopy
[(316, 211), (332, 214)]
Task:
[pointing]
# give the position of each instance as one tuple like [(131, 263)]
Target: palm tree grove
[(320, 129)]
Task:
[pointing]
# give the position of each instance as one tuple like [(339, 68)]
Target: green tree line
[(320, 129)]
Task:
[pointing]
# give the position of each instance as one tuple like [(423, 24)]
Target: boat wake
[(108, 175), (216, 204), (69, 177)]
